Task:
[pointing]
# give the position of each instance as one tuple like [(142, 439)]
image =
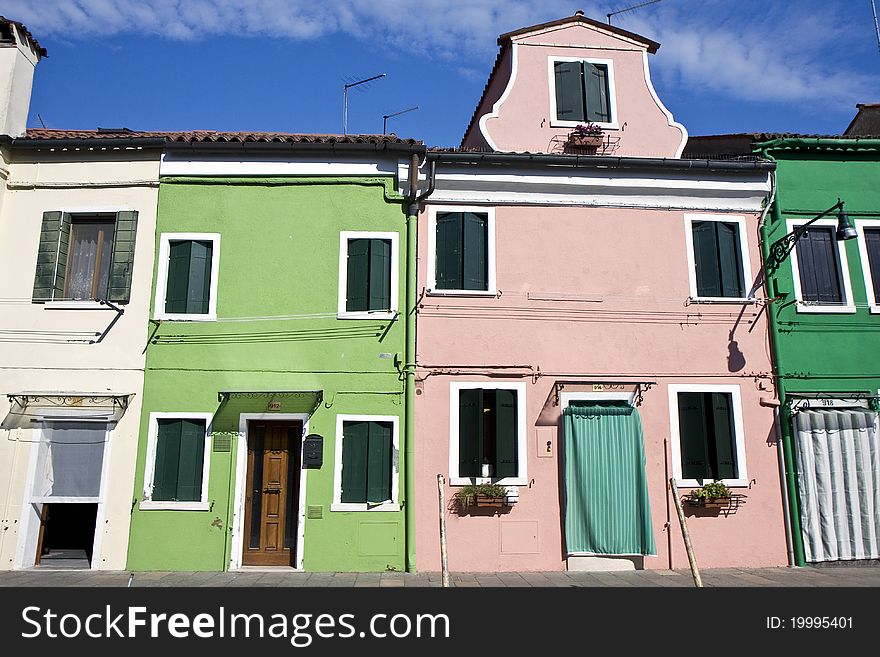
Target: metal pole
[(876, 24), (444, 562), (698, 582), (345, 110)]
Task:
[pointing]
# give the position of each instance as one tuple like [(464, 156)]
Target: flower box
[(487, 501), (584, 141)]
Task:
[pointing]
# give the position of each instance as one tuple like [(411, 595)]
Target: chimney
[(19, 54)]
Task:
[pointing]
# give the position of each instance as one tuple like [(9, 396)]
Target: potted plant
[(586, 134), (481, 495), (715, 495)]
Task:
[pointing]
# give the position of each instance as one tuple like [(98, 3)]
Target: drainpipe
[(412, 211), (793, 509)]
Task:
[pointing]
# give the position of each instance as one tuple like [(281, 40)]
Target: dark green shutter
[(178, 277), (380, 275), (505, 434), (379, 462), (167, 460), (569, 91), (730, 260), (199, 289), (122, 260), (596, 84), (192, 459), (449, 251), (355, 444), (475, 248), (470, 432), (872, 244), (52, 256), (706, 259), (358, 275), (721, 438), (692, 433)]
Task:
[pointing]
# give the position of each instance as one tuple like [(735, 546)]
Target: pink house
[(591, 324)]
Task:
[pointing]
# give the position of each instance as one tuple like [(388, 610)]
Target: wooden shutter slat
[(706, 259), (721, 438), (729, 259), (505, 433), (51, 233), (569, 91), (475, 272), (470, 432), (355, 444), (692, 435), (177, 282), (199, 287), (380, 275), (122, 260), (192, 457), (596, 86), (358, 275), (379, 462), (449, 251), (167, 460)]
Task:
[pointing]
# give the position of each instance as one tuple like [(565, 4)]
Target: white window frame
[(861, 225), (147, 503), (390, 505), (522, 452), (491, 279), (811, 307), (344, 236), (612, 95), (740, 222), (165, 240), (742, 478)]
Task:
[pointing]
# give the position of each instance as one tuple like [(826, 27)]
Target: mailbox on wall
[(313, 451)]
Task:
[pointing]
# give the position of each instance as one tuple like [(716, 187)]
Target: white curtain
[(838, 457)]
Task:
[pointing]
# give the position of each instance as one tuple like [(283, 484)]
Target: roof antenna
[(876, 24), (42, 123), (633, 8), (385, 117), (345, 88)]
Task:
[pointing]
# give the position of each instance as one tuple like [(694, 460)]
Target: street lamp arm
[(780, 249)]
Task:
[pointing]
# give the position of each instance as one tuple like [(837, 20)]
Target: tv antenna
[(385, 117), (633, 8), (345, 89), (876, 24)]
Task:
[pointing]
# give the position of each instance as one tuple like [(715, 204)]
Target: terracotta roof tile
[(204, 136)]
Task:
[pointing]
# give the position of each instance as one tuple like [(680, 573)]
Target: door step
[(589, 563)]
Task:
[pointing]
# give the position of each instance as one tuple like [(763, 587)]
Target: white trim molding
[(670, 120), (344, 237), (147, 503), (491, 280), (861, 225), (390, 505), (165, 240), (809, 307), (742, 478), (522, 452), (496, 107), (612, 96), (745, 262)]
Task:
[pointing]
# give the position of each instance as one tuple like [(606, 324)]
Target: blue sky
[(723, 66)]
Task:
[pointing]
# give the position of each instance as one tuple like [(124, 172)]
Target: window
[(718, 255), (367, 275), (177, 462), (70, 459), (186, 285), (819, 267), (581, 91), (366, 463), (709, 445), (84, 256), (461, 251), (488, 433), (869, 250)]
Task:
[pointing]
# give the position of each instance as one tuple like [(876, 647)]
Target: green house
[(273, 422)]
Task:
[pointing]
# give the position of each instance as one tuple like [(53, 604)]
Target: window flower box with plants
[(482, 495), (586, 135), (715, 495)]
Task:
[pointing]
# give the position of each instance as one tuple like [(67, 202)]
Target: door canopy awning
[(26, 408), (270, 401)]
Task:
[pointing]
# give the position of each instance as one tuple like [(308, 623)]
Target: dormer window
[(582, 91)]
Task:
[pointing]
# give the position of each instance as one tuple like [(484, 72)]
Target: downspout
[(793, 510), (412, 211)]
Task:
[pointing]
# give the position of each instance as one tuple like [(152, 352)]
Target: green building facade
[(274, 392)]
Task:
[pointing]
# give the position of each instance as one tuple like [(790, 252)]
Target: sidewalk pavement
[(831, 576)]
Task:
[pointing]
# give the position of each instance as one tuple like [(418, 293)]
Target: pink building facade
[(625, 278)]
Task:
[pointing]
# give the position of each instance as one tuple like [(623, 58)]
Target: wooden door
[(272, 494)]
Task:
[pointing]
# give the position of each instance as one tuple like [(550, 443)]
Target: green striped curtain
[(606, 490)]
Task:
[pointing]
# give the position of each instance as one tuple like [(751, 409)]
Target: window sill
[(556, 123), (809, 308), (471, 481), (462, 293), (722, 300), (149, 505), (730, 483), (87, 304), (368, 314), (352, 506), (179, 317), (874, 309)]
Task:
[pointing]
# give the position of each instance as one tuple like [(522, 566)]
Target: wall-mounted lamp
[(780, 249)]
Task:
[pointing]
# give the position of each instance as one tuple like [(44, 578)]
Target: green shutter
[(470, 432), (380, 275), (355, 444), (122, 260), (449, 251), (706, 259), (596, 84), (167, 460), (569, 91), (730, 260), (379, 462), (505, 434), (178, 277), (692, 433), (476, 269), (721, 439), (191, 461), (52, 256), (358, 275), (199, 288)]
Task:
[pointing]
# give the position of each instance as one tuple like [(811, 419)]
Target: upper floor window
[(869, 249), (84, 256), (186, 284), (718, 257), (461, 255), (367, 275), (581, 91), (821, 276)]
